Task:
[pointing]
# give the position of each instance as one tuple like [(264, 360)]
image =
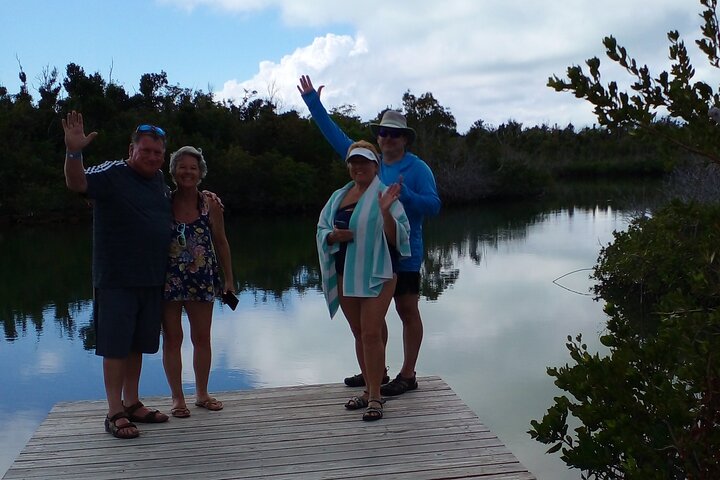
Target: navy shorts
[(127, 320), (407, 283)]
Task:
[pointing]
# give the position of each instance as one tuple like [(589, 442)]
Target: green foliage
[(651, 407), (638, 273), (263, 160), (434, 125), (672, 93)]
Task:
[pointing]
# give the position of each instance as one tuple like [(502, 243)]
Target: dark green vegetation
[(650, 408), (261, 159)]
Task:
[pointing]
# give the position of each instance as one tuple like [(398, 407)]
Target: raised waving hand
[(75, 138), (306, 86)]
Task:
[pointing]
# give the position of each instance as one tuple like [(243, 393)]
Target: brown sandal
[(153, 416), (115, 430)]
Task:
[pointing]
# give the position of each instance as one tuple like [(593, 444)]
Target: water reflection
[(43, 267), (493, 318)]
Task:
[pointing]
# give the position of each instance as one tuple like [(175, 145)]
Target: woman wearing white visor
[(362, 232)]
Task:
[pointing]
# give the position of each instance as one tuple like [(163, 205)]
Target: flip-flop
[(212, 404), (180, 412)]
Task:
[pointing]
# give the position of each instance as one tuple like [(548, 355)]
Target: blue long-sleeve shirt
[(419, 193)]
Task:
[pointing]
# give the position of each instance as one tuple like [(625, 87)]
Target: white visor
[(362, 152)]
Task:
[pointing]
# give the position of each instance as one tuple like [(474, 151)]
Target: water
[(494, 319)]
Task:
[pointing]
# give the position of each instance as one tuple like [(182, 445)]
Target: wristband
[(74, 155)]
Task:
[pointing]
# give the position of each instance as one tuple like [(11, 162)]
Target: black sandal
[(359, 381), (153, 416), (399, 385), (114, 429), (373, 413)]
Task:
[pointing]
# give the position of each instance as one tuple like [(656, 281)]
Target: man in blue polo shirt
[(132, 222)]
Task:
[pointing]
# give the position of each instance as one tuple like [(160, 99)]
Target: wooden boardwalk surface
[(295, 433)]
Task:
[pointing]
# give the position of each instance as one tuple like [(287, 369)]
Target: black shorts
[(127, 320), (407, 283)]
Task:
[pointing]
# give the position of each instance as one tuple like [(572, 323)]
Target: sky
[(486, 60)]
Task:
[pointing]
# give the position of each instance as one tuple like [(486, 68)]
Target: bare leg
[(172, 358), (351, 309), (131, 384), (114, 376), (372, 319), (407, 308), (200, 316)]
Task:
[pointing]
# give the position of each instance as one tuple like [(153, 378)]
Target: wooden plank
[(279, 433)]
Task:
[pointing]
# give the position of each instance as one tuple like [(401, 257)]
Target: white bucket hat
[(396, 120)]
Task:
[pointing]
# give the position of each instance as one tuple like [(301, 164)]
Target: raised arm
[(75, 141), (330, 130)]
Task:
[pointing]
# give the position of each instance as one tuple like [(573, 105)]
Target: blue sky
[(482, 59)]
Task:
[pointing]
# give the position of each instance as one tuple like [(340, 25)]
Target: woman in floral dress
[(198, 253)]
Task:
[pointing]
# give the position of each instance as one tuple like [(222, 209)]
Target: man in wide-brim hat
[(419, 198), (394, 121)]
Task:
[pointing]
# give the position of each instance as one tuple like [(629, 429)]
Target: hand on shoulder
[(213, 200)]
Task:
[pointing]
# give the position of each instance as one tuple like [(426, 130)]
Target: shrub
[(651, 407)]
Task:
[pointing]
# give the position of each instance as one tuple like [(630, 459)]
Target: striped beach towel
[(367, 262)]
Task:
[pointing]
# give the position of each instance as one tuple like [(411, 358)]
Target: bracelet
[(74, 155)]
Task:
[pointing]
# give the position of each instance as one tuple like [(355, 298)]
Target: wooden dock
[(295, 433)]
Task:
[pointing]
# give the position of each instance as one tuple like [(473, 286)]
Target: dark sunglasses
[(152, 129), (390, 132)]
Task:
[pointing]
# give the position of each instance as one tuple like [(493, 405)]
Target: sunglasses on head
[(152, 129), (390, 132)]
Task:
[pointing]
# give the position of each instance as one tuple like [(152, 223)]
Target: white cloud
[(296, 344), (486, 60)]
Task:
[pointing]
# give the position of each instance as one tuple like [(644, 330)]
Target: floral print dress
[(193, 272)]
